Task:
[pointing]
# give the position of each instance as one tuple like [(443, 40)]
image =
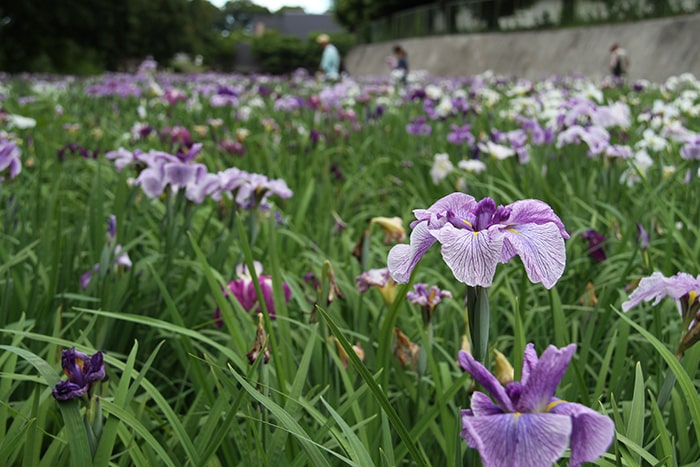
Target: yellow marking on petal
[(692, 295), (514, 231), (551, 405), (431, 297), (79, 362), (475, 233), (467, 222), (516, 415)]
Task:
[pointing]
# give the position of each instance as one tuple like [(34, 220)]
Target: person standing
[(330, 60), (619, 61), (401, 64)]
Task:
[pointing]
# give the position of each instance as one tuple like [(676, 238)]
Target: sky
[(310, 6)]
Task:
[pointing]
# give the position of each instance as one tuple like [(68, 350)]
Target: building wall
[(657, 49)]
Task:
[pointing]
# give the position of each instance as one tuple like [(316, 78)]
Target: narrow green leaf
[(664, 448), (376, 390), (109, 434), (687, 387), (312, 450), (134, 424), (355, 450), (279, 438), (635, 423)]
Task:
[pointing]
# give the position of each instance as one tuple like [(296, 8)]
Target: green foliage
[(181, 391)]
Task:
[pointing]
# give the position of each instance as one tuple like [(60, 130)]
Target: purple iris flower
[(596, 240), (10, 158), (243, 290), (418, 127), (524, 424), (691, 149), (683, 288), (427, 298), (82, 371), (642, 237), (476, 236), (460, 135)]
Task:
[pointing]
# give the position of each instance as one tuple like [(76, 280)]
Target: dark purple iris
[(596, 241), (82, 370)]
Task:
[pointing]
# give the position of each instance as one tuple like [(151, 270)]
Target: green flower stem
[(477, 301)]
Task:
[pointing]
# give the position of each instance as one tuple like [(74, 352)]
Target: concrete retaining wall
[(657, 49)]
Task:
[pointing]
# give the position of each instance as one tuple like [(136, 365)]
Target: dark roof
[(297, 24)]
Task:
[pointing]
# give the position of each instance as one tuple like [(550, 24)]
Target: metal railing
[(470, 16)]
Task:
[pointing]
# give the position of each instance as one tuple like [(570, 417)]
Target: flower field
[(222, 269)]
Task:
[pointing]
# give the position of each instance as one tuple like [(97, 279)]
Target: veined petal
[(518, 440), (591, 433), (472, 256), (484, 377), (530, 360), (534, 211), (458, 203), (544, 378), (657, 286), (402, 259), (482, 405), (541, 247)]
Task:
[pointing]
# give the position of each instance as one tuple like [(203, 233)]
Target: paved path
[(657, 48)]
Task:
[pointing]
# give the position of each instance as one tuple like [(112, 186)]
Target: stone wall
[(657, 49)]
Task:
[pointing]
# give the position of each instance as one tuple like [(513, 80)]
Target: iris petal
[(518, 440), (402, 259), (484, 377), (544, 378), (591, 432), (534, 211), (541, 247), (472, 256)]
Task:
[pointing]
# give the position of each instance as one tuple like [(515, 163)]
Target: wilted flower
[(392, 227), (259, 344), (405, 351), (525, 424), (476, 236), (379, 278), (342, 354), (82, 371), (596, 241)]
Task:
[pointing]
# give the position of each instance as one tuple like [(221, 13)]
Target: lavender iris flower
[(10, 158), (524, 424), (476, 236), (683, 288), (642, 237), (460, 135), (418, 127), (82, 371), (427, 298)]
